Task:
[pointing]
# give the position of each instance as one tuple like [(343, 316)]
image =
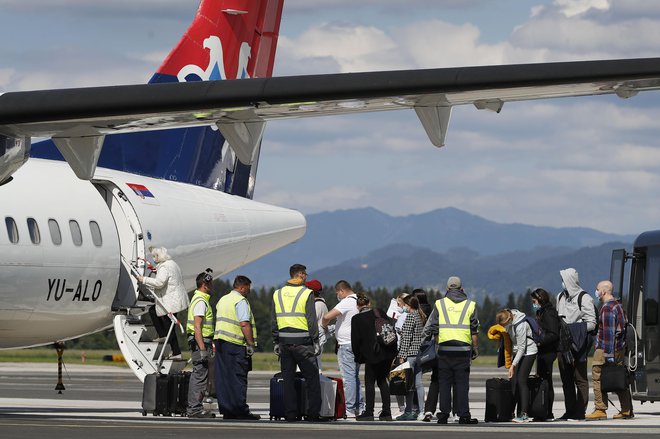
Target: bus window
[(12, 229), (33, 228), (55, 233), (76, 234), (652, 290), (96, 233)]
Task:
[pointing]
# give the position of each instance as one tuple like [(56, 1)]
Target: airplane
[(173, 163)]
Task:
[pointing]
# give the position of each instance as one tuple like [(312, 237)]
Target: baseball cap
[(453, 283)]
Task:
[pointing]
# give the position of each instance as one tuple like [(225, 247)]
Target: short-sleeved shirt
[(242, 311), (200, 309), (347, 309)]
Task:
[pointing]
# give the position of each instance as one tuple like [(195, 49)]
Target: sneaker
[(350, 414), (521, 419), (442, 418), (624, 415), (467, 420), (564, 417), (596, 415), (407, 416), (365, 416), (202, 414), (385, 416), (428, 417), (175, 357)]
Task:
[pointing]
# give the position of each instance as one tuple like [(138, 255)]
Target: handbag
[(613, 378), (427, 357), (401, 380)]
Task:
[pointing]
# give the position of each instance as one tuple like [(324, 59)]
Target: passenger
[(349, 368), (396, 312), (200, 334), (610, 349), (455, 324), (548, 319), (296, 342), (524, 350), (168, 286), (411, 339), (581, 317), (376, 357), (235, 340), (432, 396), (321, 310)]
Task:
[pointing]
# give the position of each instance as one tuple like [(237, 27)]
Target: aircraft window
[(55, 233), (12, 229), (33, 228), (76, 234), (96, 233)]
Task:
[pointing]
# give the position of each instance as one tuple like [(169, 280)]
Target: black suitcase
[(539, 398), (177, 394), (276, 410), (155, 395), (499, 400)]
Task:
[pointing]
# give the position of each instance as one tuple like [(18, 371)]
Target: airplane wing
[(80, 117)]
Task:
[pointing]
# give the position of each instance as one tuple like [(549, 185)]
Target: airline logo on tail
[(216, 67)]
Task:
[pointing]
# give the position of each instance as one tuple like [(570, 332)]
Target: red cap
[(314, 285)]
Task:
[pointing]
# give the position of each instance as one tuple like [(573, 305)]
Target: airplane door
[(131, 242), (651, 316)]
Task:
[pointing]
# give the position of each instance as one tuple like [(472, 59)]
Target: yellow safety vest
[(454, 323), (227, 326), (207, 323), (290, 302)]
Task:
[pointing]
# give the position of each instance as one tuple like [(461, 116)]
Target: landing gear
[(59, 347)]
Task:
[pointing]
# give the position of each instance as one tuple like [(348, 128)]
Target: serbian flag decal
[(140, 190)]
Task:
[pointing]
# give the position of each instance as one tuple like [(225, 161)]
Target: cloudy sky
[(591, 162)]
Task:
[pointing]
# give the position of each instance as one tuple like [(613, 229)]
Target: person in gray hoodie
[(577, 309), (525, 350)]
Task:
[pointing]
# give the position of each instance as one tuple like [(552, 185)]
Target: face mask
[(338, 298), (404, 311), (563, 286), (536, 306), (597, 295)]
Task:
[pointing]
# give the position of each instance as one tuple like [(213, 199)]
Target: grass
[(264, 361)]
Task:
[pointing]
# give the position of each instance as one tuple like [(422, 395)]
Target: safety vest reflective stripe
[(227, 325), (454, 323), (207, 322), (290, 313)]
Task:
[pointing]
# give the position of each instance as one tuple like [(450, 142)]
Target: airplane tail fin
[(228, 39)]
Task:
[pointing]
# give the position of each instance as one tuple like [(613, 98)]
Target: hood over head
[(571, 281)]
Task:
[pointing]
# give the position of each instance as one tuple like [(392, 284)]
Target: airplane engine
[(14, 152)]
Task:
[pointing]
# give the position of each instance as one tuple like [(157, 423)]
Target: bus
[(636, 279)]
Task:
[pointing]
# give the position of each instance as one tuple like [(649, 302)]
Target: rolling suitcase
[(499, 400), (340, 399), (177, 394), (539, 398), (155, 395), (276, 404)]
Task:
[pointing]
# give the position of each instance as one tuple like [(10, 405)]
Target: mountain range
[(422, 250)]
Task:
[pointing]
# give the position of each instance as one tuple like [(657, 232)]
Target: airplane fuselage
[(67, 244)]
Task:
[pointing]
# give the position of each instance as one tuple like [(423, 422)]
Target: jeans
[(419, 386), (350, 372)]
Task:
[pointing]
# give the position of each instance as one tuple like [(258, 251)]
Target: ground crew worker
[(455, 324), (235, 338), (200, 335), (296, 339)]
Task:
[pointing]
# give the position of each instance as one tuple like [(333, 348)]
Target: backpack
[(579, 301), (537, 331), (385, 333)]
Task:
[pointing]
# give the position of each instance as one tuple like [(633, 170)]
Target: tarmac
[(105, 402)]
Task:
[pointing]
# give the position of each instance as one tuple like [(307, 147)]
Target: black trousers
[(376, 373), (162, 325), (454, 371), (544, 370), (576, 387), (520, 387), (303, 357), (231, 378)]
